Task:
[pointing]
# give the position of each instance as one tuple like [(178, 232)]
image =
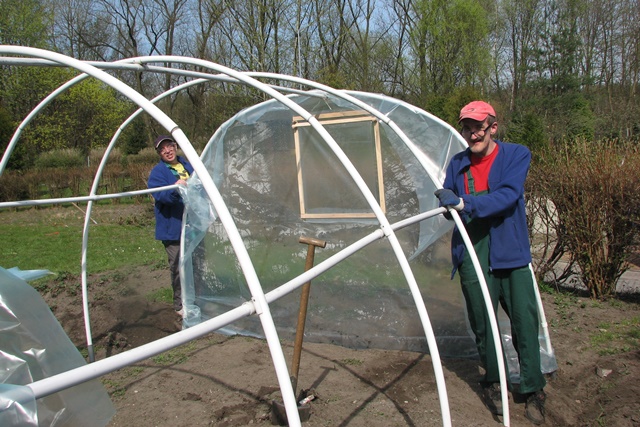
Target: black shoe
[(493, 398), (534, 409)]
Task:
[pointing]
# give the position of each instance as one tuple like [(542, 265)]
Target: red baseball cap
[(476, 110)]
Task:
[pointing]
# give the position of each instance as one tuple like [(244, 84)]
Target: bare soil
[(230, 381)]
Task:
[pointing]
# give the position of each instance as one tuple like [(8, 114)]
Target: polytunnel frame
[(259, 302), (385, 227), (358, 180)]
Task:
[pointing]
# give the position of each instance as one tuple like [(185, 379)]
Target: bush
[(62, 158), (13, 186), (96, 154), (594, 190), (147, 156)]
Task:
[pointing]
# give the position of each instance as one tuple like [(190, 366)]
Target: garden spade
[(278, 413)]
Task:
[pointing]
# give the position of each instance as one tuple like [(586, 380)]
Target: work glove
[(449, 199)]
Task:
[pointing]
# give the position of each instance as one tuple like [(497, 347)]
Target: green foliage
[(135, 136), (527, 129), (62, 158), (6, 128), (20, 157), (83, 117), (24, 23), (450, 41)]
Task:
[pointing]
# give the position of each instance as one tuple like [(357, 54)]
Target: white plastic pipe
[(76, 199), (542, 317), (87, 217), (262, 307), (62, 381), (497, 341)]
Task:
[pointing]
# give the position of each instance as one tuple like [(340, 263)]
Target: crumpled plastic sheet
[(34, 346)]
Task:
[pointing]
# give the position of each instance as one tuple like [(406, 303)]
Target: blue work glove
[(449, 199)]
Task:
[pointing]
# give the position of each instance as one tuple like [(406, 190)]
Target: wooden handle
[(313, 241)]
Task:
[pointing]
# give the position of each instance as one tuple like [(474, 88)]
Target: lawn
[(51, 239)]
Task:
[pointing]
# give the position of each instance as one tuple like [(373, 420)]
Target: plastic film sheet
[(34, 346), (280, 181)]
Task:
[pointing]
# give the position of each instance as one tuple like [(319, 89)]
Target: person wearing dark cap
[(485, 184), (169, 207)]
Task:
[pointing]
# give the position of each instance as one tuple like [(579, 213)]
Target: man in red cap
[(169, 207), (485, 183)]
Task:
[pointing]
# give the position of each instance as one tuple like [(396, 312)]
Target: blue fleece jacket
[(509, 245), (169, 207)]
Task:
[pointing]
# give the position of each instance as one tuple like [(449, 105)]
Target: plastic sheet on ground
[(34, 346)]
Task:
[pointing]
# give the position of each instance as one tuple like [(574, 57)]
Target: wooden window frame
[(328, 119)]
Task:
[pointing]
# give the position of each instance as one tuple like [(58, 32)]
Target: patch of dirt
[(230, 381)]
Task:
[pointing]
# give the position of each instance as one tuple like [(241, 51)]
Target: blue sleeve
[(161, 178)]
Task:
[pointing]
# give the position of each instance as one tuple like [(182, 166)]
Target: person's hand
[(181, 182), (449, 199)]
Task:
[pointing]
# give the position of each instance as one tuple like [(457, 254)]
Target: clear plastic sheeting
[(272, 170), (28, 275), (34, 346), (17, 406), (281, 181)]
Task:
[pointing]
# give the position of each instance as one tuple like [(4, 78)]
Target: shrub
[(61, 158), (96, 154), (13, 186), (594, 189), (147, 156)]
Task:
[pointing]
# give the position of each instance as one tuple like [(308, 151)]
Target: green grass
[(616, 338), (162, 295), (58, 247), (114, 388), (175, 356), (352, 362)]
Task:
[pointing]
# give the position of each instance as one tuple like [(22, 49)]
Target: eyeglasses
[(167, 147), (479, 132)]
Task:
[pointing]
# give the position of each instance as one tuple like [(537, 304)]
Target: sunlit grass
[(619, 337), (58, 248)]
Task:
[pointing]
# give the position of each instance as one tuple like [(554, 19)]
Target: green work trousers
[(513, 289)]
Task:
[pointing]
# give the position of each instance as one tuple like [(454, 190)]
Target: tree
[(253, 29), (135, 136), (523, 21), (80, 30), (367, 50), (84, 117), (450, 45), (24, 23)]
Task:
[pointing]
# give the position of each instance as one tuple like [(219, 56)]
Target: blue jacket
[(508, 237), (169, 207)]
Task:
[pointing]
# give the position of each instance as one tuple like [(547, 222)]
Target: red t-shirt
[(480, 167)]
